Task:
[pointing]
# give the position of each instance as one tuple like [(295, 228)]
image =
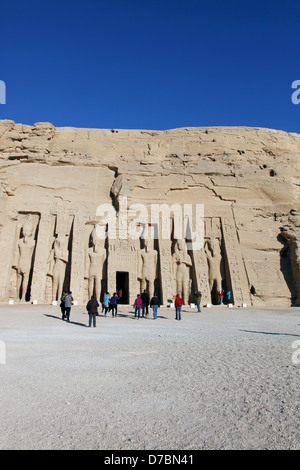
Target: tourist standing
[(138, 303), (178, 305), (155, 305), (220, 294), (62, 305), (68, 302), (198, 296), (114, 304), (106, 303), (92, 308), (145, 300)]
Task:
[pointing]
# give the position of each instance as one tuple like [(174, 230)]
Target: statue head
[(214, 245), (94, 236), (180, 244), (27, 228), (96, 240)]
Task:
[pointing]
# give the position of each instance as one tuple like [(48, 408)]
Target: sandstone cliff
[(247, 179)]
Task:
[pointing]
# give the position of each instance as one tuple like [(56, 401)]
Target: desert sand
[(220, 379)]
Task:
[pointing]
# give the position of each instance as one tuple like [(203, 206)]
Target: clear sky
[(151, 64)]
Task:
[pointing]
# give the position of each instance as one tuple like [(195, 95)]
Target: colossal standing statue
[(23, 266), (214, 259), (96, 256), (147, 275), (58, 260), (181, 269)]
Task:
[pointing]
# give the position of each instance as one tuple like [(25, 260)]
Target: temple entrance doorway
[(122, 283)]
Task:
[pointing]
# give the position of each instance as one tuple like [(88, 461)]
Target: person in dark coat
[(92, 308), (62, 305), (155, 305), (145, 300)]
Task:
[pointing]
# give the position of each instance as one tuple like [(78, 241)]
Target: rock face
[(53, 181)]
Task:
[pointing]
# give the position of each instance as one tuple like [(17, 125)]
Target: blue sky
[(151, 64)]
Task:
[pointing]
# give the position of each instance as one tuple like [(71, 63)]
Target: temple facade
[(48, 253)]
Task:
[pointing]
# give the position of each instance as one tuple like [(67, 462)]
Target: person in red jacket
[(138, 305), (220, 294), (178, 305)]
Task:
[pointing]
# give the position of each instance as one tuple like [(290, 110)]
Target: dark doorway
[(122, 283)]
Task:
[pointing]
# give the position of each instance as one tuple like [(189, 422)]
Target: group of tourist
[(142, 302), (221, 296), (110, 303), (65, 305), (141, 305)]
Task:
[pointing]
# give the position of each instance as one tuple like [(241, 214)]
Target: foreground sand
[(220, 379)]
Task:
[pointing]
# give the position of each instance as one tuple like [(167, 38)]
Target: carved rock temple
[(53, 181)]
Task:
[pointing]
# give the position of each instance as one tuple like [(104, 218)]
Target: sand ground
[(220, 379)]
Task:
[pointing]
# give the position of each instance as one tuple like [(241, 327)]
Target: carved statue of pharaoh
[(95, 259), (214, 259), (181, 269), (147, 275), (23, 266), (58, 259)]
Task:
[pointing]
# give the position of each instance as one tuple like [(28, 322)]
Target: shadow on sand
[(123, 315), (59, 318), (270, 333)]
